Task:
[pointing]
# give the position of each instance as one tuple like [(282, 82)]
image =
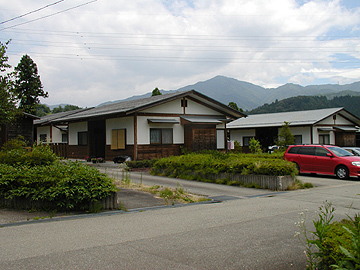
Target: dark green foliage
[(234, 106), (28, 87), (7, 101), (70, 185), (65, 108), (39, 175), (300, 103), (156, 92), (42, 110), (40, 155), (285, 137), (199, 166), (146, 163)]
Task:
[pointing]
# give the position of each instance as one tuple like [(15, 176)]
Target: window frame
[(82, 135), (162, 136), (322, 139)]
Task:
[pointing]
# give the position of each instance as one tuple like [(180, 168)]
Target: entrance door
[(97, 138)]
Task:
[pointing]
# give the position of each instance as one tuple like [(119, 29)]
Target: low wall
[(109, 203), (263, 181)]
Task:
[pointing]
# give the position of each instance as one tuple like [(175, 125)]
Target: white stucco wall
[(174, 106), (220, 137), (338, 121), (74, 128), (238, 134), (169, 107), (121, 123), (144, 129), (303, 131), (43, 130)]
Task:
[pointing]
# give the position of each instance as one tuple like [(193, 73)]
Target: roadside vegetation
[(170, 195), (36, 174), (333, 244)]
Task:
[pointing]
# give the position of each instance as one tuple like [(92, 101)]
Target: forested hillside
[(299, 103)]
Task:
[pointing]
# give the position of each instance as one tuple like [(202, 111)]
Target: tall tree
[(7, 101), (28, 87), (156, 92)]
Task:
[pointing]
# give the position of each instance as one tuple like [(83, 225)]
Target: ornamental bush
[(198, 166), (39, 175), (70, 185)]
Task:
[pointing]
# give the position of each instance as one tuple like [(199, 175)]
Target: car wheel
[(342, 172)]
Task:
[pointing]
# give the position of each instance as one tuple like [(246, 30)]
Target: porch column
[(135, 137)]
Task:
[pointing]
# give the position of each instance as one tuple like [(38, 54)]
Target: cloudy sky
[(93, 51)]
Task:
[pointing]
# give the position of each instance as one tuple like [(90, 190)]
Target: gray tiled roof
[(297, 118), (127, 107), (52, 117)]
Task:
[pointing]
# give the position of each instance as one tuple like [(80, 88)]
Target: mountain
[(249, 96), (300, 103)]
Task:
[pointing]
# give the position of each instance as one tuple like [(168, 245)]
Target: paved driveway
[(252, 230)]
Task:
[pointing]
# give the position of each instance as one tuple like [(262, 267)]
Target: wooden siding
[(200, 137), (22, 127), (345, 138), (144, 151), (78, 151)]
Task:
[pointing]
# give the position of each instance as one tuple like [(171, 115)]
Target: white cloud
[(110, 50)]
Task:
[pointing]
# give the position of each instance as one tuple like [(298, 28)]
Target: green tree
[(285, 137), (156, 92), (255, 146), (234, 106), (65, 108), (7, 100), (42, 110), (28, 87)]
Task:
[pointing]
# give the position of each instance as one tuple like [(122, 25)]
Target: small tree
[(285, 137), (255, 146), (234, 106), (28, 87), (156, 92)]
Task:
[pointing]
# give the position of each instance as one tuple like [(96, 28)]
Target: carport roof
[(296, 118)]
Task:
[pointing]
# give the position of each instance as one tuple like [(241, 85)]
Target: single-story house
[(47, 130), (146, 128), (334, 126)]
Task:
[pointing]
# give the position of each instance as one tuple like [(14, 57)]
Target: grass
[(170, 195)]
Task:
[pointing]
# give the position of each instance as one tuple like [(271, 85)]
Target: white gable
[(174, 107)]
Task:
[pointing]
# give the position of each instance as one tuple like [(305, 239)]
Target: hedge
[(204, 164)]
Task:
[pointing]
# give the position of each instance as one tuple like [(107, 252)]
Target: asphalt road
[(250, 229)]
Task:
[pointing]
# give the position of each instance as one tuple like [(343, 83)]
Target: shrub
[(200, 166), (70, 185), (40, 155)]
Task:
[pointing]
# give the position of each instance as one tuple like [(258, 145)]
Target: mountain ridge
[(249, 96)]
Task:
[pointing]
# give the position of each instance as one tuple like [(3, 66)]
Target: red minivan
[(324, 159)]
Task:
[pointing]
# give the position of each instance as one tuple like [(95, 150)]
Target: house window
[(64, 138), (298, 139), (161, 135), (82, 138), (324, 139), (43, 137), (118, 139), (183, 103), (246, 141)]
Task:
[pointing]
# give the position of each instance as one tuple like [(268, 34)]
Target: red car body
[(324, 159)]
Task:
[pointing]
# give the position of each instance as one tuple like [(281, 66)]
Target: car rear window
[(307, 150), (293, 150)]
